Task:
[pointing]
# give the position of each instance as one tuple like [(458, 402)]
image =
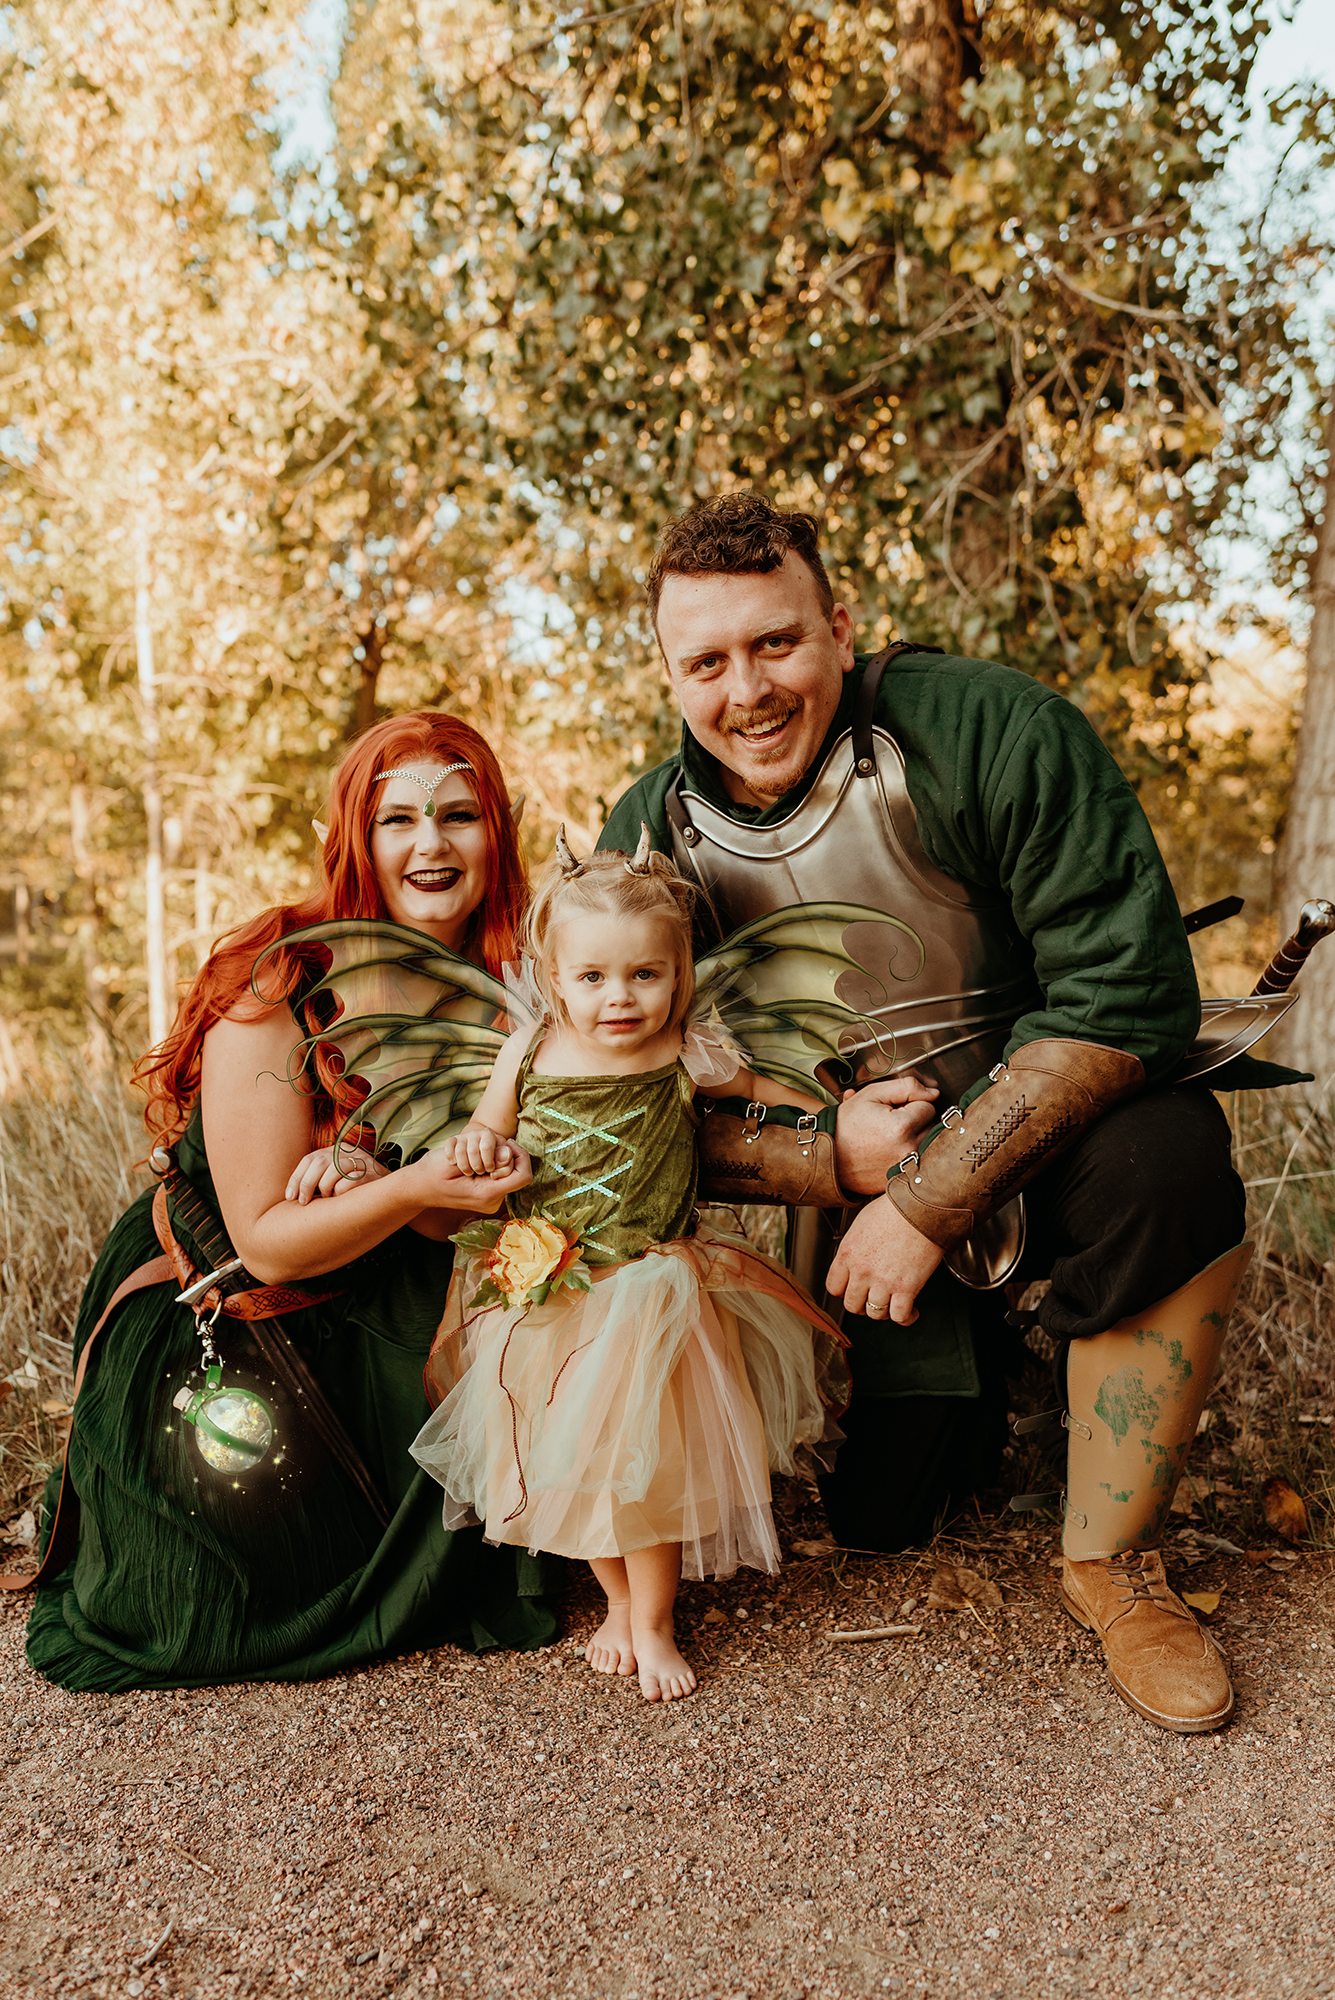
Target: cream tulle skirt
[(651, 1409)]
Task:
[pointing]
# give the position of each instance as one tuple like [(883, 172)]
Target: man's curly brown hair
[(736, 534)]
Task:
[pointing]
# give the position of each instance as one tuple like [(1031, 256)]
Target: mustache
[(769, 714)]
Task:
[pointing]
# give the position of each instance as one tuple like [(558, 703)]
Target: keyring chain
[(234, 1428)]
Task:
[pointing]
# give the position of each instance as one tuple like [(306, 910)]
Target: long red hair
[(170, 1073)]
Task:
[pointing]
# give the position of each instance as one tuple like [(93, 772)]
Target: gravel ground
[(969, 1811)]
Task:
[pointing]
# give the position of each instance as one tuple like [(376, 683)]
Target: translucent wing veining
[(773, 984), (415, 1028)]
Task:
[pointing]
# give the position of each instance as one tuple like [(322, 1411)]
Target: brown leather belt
[(261, 1302)]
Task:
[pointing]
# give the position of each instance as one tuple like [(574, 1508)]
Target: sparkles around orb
[(233, 1430)]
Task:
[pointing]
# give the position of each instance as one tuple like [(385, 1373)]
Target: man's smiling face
[(758, 669)]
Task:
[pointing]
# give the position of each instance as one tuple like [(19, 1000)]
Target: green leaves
[(408, 419)]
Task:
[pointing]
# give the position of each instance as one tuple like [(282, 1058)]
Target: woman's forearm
[(288, 1241), (257, 1129)]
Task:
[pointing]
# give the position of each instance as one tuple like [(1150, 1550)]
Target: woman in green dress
[(195, 1563)]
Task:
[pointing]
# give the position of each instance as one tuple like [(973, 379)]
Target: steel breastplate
[(854, 839)]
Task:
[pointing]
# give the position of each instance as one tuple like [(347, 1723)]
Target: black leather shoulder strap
[(864, 747), (680, 820)]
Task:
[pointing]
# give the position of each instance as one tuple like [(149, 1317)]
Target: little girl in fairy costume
[(617, 1381)]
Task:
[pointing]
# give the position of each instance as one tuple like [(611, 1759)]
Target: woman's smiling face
[(432, 871)]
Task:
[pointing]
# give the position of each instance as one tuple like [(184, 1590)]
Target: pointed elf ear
[(517, 806), (321, 831)]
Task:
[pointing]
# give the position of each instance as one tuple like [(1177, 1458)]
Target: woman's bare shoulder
[(267, 1000)]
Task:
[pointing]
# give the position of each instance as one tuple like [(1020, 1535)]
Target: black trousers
[(1145, 1199)]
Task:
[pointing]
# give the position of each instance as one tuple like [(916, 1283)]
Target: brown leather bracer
[(748, 1159), (1039, 1104)]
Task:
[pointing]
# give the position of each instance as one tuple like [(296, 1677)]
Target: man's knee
[(1145, 1200)]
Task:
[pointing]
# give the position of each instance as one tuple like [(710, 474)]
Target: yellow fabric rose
[(526, 1254)]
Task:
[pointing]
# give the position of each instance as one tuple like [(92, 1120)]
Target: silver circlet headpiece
[(429, 785)]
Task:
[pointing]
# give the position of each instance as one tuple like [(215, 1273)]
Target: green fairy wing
[(774, 985), (410, 1030)]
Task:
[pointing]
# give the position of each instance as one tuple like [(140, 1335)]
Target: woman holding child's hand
[(297, 1568)]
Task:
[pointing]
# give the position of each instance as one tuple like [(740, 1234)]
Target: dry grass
[(69, 1135), (1274, 1408)]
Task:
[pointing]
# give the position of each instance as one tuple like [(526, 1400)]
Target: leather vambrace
[(1039, 1104), (767, 1153)]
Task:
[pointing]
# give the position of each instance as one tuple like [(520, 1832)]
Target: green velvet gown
[(186, 1577)]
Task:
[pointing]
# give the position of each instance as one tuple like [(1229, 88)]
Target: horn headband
[(566, 862), (642, 861), (429, 785)]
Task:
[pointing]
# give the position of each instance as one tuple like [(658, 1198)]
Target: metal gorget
[(945, 1007)]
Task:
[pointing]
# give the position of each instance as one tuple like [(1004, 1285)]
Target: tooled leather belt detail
[(260, 1302)]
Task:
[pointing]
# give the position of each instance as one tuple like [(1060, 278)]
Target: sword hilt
[(1316, 920), (204, 1226)]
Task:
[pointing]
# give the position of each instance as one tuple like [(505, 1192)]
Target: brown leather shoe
[(1161, 1662)]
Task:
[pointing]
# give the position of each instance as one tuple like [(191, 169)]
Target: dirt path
[(966, 1812)]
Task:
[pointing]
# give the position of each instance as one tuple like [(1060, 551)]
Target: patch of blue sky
[(536, 616), (1275, 184), (301, 82), (17, 444)]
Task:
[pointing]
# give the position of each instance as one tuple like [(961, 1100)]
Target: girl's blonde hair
[(606, 885)]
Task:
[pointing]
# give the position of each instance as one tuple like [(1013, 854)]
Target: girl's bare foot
[(611, 1649), (664, 1674)]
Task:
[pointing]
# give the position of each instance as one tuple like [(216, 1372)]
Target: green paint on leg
[(1216, 1320), (1124, 1403), (1169, 1469), (1119, 1497)]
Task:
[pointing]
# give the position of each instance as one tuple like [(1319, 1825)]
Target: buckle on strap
[(807, 1126), (194, 1293), (1046, 1420), (755, 1118)]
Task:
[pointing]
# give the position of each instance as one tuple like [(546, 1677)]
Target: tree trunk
[(89, 924), (203, 906), (1306, 1037), (373, 649), (155, 915), (22, 934), (938, 49)]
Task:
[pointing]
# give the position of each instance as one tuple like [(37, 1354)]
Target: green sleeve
[(1020, 798), (642, 804)]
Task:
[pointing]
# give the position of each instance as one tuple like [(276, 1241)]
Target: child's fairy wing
[(774, 984), (411, 1029)]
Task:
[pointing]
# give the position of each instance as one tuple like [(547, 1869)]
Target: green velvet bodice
[(613, 1157)]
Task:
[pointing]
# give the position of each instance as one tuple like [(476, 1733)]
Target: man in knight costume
[(1030, 1103)]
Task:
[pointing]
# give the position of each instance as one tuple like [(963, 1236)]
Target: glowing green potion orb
[(233, 1427)]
